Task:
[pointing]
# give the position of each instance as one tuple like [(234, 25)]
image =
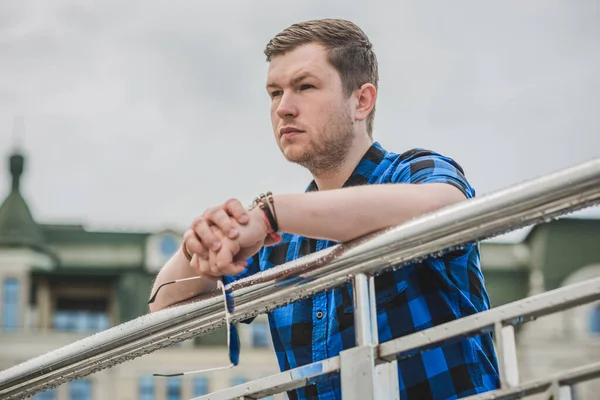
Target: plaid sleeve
[(252, 268), (424, 166)]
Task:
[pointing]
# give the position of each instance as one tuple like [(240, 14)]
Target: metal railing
[(501, 320), (434, 234)]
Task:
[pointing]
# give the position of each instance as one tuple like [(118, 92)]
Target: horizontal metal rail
[(514, 313), (278, 383), (525, 204), (549, 385)]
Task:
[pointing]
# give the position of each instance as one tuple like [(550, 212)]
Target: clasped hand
[(222, 239)]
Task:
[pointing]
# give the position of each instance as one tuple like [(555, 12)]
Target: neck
[(328, 180)]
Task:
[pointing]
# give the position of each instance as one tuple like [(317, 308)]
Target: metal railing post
[(365, 310), (363, 376), (558, 392), (507, 355), (564, 393)]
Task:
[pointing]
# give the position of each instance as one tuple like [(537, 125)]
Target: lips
[(289, 130)]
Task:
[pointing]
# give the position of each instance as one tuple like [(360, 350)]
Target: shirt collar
[(363, 170)]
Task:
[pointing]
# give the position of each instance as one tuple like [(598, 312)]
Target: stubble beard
[(327, 157)]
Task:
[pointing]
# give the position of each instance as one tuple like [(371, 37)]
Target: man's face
[(312, 119)]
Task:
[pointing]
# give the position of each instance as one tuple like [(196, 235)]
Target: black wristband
[(267, 210), (272, 205)]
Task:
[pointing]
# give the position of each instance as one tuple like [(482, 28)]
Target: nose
[(287, 107)]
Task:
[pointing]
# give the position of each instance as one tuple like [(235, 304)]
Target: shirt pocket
[(384, 293)]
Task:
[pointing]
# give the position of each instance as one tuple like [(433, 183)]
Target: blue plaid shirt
[(409, 299)]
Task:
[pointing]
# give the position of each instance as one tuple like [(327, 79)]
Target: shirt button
[(319, 314)]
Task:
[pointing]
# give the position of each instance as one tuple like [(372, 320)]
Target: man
[(322, 81)]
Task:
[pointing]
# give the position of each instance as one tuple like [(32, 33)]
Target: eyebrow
[(297, 79)]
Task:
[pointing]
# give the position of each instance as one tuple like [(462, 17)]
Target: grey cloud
[(141, 114)]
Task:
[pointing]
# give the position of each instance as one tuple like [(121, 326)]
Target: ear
[(365, 96)]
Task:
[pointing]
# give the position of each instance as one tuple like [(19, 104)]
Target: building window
[(168, 245), (80, 321), (10, 304), (47, 395), (200, 386), (595, 320), (260, 334), (173, 389), (146, 388), (80, 390), (81, 315)]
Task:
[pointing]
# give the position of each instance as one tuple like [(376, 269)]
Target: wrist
[(257, 215)]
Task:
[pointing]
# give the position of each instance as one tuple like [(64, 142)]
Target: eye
[(306, 86), (276, 93)]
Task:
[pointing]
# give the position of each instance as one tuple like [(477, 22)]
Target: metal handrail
[(524, 204)]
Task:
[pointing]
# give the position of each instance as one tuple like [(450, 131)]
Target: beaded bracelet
[(267, 204)]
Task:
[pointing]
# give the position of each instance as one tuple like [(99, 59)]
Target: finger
[(212, 263), (232, 245), (205, 234), (203, 266), (225, 256), (212, 255), (226, 261), (200, 266), (235, 268), (224, 222), (194, 264), (221, 260), (235, 208), (193, 244)]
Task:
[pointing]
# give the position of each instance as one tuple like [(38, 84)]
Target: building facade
[(61, 283)]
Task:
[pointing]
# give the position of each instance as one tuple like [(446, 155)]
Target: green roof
[(76, 234), (17, 226)]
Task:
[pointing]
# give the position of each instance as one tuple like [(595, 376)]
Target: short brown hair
[(349, 49)]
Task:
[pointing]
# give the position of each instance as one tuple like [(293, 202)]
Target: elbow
[(447, 195), (456, 195)]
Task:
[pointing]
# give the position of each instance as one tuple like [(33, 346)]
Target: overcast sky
[(141, 114)]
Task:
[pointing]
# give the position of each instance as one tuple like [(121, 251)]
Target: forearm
[(178, 267), (345, 214)]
